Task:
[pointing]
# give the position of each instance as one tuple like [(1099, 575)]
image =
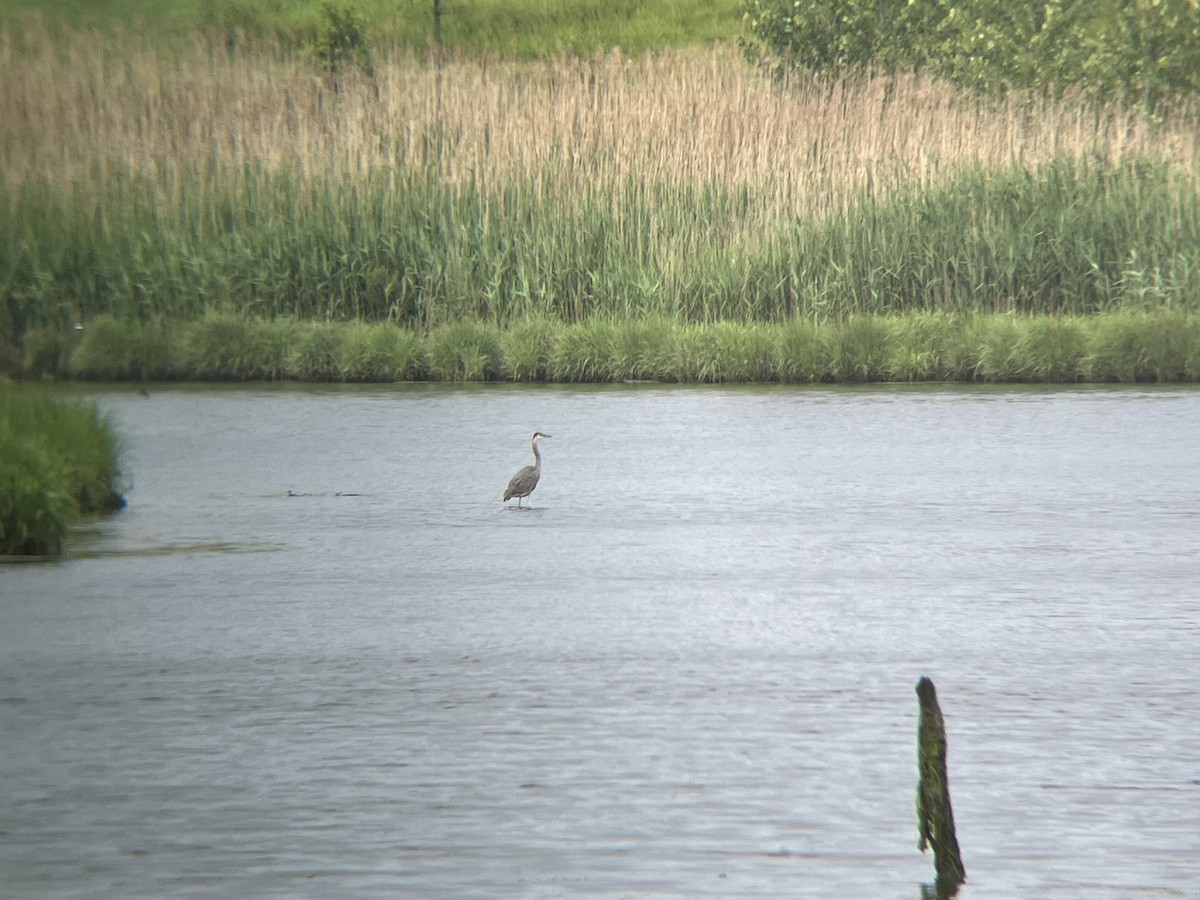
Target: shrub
[(1141, 50), (342, 38)]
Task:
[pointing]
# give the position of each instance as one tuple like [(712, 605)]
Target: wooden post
[(935, 818), (439, 63)]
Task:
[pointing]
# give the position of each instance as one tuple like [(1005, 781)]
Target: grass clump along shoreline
[(208, 210), (1125, 345), (58, 461)]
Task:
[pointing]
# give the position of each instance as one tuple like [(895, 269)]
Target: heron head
[(537, 436)]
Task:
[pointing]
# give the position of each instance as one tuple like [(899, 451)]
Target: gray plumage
[(523, 483)]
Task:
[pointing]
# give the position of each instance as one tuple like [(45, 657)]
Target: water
[(688, 671)]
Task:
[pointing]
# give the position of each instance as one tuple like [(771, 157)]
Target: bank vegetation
[(59, 461), (180, 202)]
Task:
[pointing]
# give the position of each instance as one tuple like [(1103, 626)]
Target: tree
[(1135, 49)]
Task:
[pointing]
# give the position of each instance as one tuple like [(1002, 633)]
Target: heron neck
[(537, 457)]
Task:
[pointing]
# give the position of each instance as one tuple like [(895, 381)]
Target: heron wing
[(522, 484)]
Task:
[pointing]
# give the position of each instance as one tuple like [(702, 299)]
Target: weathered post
[(437, 25), (440, 49), (935, 818)]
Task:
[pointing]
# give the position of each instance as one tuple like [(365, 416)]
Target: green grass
[(58, 460), (465, 351), (227, 347), (519, 27), (1125, 345), (527, 348), (379, 353)]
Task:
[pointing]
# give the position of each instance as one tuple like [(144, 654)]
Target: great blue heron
[(523, 483)]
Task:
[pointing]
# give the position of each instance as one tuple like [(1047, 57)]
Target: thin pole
[(437, 42)]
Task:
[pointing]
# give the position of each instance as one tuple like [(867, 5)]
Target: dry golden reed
[(695, 117)]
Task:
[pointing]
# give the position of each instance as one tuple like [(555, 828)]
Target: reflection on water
[(317, 656)]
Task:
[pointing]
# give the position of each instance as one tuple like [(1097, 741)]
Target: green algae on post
[(935, 817)]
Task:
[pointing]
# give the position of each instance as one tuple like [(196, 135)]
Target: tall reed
[(154, 183), (1072, 237), (694, 117)]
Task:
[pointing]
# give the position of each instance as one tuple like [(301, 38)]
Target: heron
[(526, 479)]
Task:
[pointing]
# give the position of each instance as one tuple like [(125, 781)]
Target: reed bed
[(1073, 237), (686, 117), (168, 185), (1121, 346), (58, 460)]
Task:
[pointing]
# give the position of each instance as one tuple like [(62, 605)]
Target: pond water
[(317, 656)]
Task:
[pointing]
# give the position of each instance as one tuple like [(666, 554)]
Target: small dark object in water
[(935, 818), (526, 479)]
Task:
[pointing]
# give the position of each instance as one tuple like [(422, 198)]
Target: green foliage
[(830, 36), (859, 348), (114, 349), (1126, 344), (585, 352), (747, 353), (227, 347), (45, 350), (645, 349), (342, 38), (1139, 49), (544, 27), (316, 352), (924, 347), (1059, 239), (58, 460), (524, 27), (1070, 236), (1054, 348), (34, 509), (995, 347), (802, 352), (1132, 346), (381, 352), (465, 351), (528, 348), (107, 350), (725, 352)]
